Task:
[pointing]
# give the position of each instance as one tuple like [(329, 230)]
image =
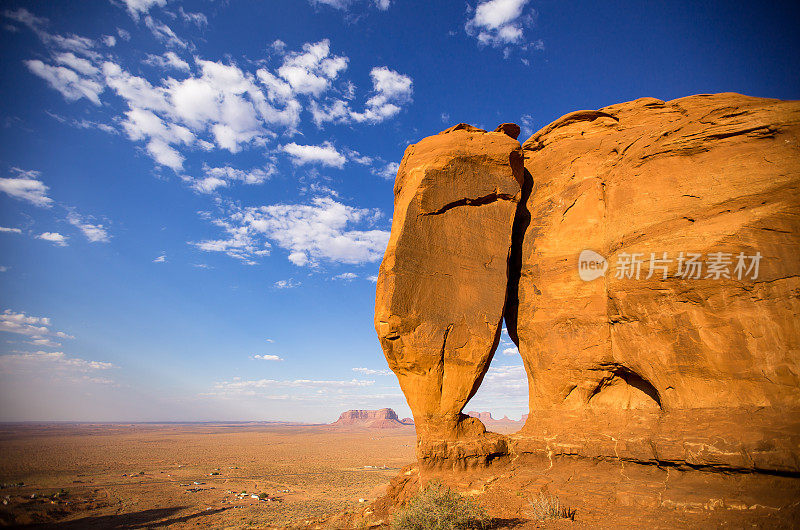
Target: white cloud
[(54, 237), (389, 171), (526, 126), (309, 232), (221, 177), (36, 360), (198, 19), (346, 276), (161, 259), (390, 90), (286, 284), (383, 5), (370, 371), (124, 34), (373, 279), (72, 86), (267, 357), (136, 8), (22, 324), (109, 40), (325, 154), (74, 43), (169, 60), (511, 351), (499, 23), (95, 233), (79, 64), (12, 230), (311, 71), (145, 125), (164, 33), (26, 186)]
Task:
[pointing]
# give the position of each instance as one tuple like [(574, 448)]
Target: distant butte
[(371, 419)]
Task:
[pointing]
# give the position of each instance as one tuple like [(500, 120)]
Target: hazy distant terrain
[(186, 475)]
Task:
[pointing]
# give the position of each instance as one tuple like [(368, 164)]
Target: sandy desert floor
[(191, 475)]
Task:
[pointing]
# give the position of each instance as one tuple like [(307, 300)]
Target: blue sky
[(195, 195)]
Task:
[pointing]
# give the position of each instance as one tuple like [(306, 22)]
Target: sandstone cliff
[(442, 284), (648, 356)]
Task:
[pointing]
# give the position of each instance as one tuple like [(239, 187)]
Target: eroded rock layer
[(442, 284), (659, 359), (678, 341)]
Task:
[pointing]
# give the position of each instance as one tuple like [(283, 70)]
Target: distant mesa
[(372, 419), (504, 424)]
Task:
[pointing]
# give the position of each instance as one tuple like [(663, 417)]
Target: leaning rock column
[(442, 283)]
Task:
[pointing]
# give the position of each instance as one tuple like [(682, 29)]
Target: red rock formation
[(671, 368), (373, 419), (662, 368), (442, 283)]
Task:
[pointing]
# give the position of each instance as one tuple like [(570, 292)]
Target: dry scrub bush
[(438, 507), (549, 507)]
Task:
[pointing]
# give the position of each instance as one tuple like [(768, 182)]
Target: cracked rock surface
[(442, 284), (652, 367)]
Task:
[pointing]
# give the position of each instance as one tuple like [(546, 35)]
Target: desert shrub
[(550, 507), (437, 507)]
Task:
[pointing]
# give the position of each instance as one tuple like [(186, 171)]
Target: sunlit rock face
[(442, 284), (648, 259)]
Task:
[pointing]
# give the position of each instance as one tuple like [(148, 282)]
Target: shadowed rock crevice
[(478, 201), (522, 221), (621, 376)]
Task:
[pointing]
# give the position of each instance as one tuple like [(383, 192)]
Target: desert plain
[(191, 475)]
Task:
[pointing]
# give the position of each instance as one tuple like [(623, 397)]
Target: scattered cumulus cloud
[(323, 230), (72, 86), (26, 186), (222, 177), (137, 8), (36, 361), (343, 5), (198, 19), (35, 327), (387, 171), (217, 105), (390, 91), (500, 23), (346, 276), (164, 33), (10, 230), (161, 259), (267, 357), (325, 154), (168, 61), (511, 351), (54, 237), (95, 233), (286, 284)]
